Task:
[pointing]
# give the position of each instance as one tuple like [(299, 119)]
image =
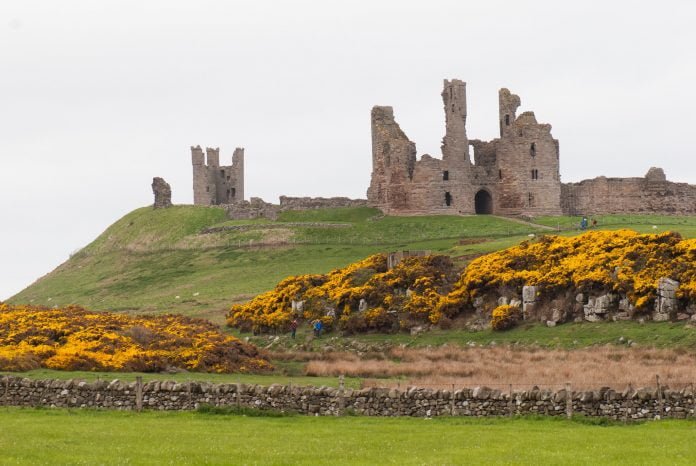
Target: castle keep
[(214, 184), (515, 174)]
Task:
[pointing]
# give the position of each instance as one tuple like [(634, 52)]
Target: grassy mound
[(160, 261), (75, 339)]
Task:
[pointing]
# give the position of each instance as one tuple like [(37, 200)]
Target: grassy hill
[(162, 261)]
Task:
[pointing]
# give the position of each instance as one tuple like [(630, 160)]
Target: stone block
[(529, 294)]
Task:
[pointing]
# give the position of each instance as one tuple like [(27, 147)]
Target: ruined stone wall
[(650, 194), (258, 208), (393, 162), (630, 404), (516, 174), (527, 159), (214, 184), (162, 192), (309, 203), (401, 184)]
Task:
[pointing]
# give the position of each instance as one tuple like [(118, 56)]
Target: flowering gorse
[(73, 338), (425, 289), (415, 288)]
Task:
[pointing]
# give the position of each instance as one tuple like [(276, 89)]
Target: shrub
[(608, 261), (73, 338), (426, 290), (428, 280), (505, 317)]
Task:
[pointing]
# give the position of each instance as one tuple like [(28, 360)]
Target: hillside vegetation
[(76, 339), (366, 295), (159, 261)]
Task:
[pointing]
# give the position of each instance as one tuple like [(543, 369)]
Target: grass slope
[(158, 260), (32, 436)]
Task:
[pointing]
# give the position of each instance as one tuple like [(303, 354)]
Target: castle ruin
[(515, 174), (214, 184)]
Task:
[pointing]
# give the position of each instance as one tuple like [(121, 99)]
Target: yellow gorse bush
[(417, 286), (620, 261), (423, 289), (73, 338), (505, 317)]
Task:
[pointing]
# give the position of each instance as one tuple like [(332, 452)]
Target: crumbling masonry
[(214, 184), (162, 192), (515, 174)]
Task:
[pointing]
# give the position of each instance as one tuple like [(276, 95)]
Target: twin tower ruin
[(515, 174), (214, 184)]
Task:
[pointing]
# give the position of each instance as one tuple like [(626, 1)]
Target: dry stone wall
[(643, 403)]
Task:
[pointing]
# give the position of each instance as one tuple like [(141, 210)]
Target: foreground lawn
[(100, 437)]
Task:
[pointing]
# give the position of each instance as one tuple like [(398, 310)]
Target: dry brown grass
[(499, 367)]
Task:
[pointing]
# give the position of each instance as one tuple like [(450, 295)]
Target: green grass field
[(31, 436), (158, 260), (564, 336), (249, 379)]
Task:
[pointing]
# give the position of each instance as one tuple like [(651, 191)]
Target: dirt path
[(524, 222)]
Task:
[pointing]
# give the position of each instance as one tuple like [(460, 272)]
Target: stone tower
[(214, 184), (456, 193), (527, 159), (516, 174)]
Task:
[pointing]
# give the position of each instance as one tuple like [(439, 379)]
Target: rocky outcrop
[(602, 307)]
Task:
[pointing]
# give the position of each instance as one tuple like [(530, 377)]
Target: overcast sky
[(97, 97)]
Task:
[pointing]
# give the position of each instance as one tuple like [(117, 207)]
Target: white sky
[(97, 97)]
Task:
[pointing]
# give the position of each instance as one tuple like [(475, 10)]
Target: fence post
[(138, 393), (569, 401), (341, 400), (511, 404), (398, 399), (7, 388), (693, 400), (238, 397), (452, 402), (629, 403), (659, 395)]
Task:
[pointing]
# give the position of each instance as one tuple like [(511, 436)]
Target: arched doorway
[(483, 202)]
